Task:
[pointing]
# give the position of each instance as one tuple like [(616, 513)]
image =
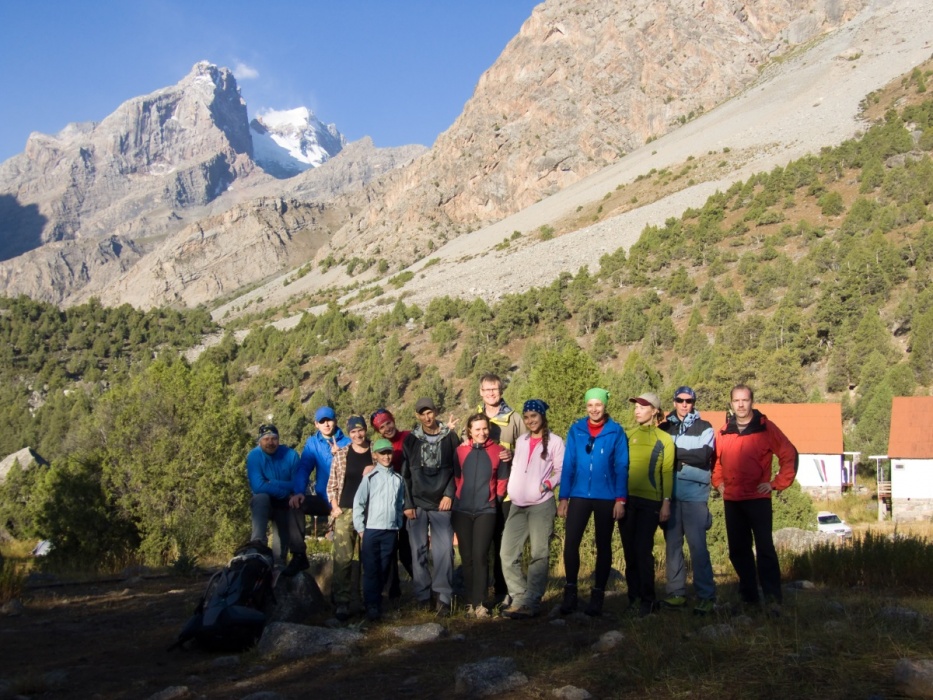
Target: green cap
[(596, 393), (382, 445)]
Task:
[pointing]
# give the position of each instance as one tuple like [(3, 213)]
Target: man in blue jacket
[(690, 517), (317, 456), (271, 468)]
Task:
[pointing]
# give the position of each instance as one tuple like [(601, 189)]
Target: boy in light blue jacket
[(378, 516)]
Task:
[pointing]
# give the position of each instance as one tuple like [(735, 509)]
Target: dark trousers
[(474, 535), (312, 505), (378, 546), (637, 530), (401, 556), (745, 519), (578, 515), (502, 514)]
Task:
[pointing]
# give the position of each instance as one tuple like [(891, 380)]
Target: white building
[(910, 449)]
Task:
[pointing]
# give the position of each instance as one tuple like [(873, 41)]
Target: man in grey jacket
[(690, 516)]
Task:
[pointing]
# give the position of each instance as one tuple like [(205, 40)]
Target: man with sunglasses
[(690, 517)]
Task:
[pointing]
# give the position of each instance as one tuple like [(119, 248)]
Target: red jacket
[(743, 460), (496, 486)]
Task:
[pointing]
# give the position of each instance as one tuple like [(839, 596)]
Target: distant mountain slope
[(582, 84), (797, 106), (177, 147)]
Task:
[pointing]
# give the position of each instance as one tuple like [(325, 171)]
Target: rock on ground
[(428, 632), (914, 678), (287, 640), (488, 677), (571, 692)]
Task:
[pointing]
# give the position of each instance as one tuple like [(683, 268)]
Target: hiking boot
[(480, 612), (518, 612), (704, 607), (595, 607), (674, 602), (442, 609), (774, 609), (647, 608), (634, 605), (372, 613), (569, 604), (298, 564), (342, 612)]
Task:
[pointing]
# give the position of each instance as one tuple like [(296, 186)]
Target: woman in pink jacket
[(536, 465)]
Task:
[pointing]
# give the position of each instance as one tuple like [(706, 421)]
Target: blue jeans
[(690, 519)]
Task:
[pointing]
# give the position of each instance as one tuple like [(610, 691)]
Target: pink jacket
[(531, 471)]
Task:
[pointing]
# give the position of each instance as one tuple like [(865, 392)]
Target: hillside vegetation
[(811, 282)]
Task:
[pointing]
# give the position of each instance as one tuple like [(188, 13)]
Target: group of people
[(408, 496)]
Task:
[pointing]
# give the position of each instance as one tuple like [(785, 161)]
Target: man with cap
[(350, 465), (694, 444), (270, 468), (384, 422), (318, 453), (377, 515), (428, 457), (742, 473)]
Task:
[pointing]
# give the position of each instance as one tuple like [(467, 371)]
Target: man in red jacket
[(742, 473)]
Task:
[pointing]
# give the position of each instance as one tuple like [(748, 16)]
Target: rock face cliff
[(219, 254), (582, 84), (175, 148)]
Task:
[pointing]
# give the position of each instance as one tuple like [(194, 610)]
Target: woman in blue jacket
[(594, 482)]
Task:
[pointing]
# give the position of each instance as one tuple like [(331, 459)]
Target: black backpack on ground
[(230, 615)]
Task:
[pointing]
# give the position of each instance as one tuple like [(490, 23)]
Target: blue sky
[(399, 71)]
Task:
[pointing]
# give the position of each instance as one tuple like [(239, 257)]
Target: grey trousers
[(442, 554), (263, 508), (534, 523), (690, 519)]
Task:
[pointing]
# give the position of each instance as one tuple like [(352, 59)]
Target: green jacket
[(650, 463)]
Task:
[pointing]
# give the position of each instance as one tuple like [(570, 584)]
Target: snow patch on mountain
[(288, 142)]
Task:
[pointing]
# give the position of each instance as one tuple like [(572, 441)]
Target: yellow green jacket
[(651, 463)]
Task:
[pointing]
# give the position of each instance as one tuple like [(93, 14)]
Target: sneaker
[(595, 607), (704, 607), (298, 564), (372, 613), (442, 609), (518, 612), (480, 612), (569, 604), (342, 612), (674, 602)]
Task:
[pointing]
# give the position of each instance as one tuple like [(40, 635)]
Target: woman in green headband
[(594, 482)]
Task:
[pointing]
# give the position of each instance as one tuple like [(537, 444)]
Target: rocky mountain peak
[(287, 142)]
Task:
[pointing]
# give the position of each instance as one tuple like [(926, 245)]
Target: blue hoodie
[(317, 457), (600, 473)]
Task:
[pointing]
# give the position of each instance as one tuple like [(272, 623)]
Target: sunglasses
[(688, 401), (589, 445)]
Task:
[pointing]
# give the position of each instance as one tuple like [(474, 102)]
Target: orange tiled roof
[(814, 428), (911, 436)]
